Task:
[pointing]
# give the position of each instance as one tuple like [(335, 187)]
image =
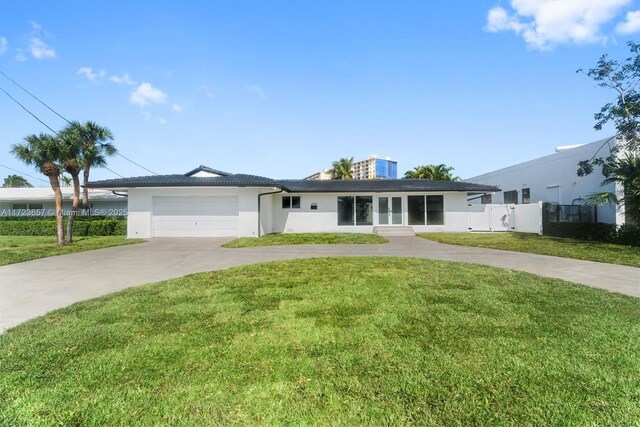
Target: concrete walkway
[(33, 288)]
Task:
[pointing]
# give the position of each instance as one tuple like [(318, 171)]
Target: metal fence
[(569, 213)]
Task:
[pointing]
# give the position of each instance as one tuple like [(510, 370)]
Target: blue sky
[(283, 88)]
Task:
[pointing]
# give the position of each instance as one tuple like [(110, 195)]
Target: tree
[(72, 161), (624, 170), (95, 148), (43, 152), (342, 169), (623, 78), (439, 172), (16, 181)]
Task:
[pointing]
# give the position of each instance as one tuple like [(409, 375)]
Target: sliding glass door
[(389, 210)]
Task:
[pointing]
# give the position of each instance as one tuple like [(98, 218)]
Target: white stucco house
[(40, 201), (209, 202), (554, 179)]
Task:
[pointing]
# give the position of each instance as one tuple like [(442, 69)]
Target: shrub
[(628, 234), (47, 227), (581, 230)]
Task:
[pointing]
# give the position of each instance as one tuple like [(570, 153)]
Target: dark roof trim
[(203, 168)]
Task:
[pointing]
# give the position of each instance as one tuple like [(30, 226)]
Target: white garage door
[(195, 216)]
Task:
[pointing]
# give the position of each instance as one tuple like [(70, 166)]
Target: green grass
[(331, 341), (306, 239), (24, 248), (544, 245)]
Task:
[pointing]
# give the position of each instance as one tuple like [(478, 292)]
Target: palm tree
[(16, 181), (43, 152), (626, 171), (96, 147), (439, 172), (71, 145), (342, 169)]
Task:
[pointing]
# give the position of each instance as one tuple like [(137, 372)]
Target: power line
[(22, 173), (35, 97), (137, 164), (62, 117), (25, 109), (46, 125)]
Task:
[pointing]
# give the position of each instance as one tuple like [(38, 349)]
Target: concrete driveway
[(33, 288)]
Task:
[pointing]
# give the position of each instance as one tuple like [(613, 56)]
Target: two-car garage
[(195, 216)]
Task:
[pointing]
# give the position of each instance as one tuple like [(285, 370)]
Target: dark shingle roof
[(290, 185), (380, 185)]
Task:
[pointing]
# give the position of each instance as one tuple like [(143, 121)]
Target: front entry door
[(390, 210)]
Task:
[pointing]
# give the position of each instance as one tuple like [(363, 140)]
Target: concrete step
[(393, 231)]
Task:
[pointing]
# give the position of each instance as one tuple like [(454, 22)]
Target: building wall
[(325, 218), (140, 219), (554, 179)]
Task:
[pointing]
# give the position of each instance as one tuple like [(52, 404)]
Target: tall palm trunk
[(75, 176), (54, 180), (85, 190)]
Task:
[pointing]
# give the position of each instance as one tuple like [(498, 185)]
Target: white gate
[(491, 217)]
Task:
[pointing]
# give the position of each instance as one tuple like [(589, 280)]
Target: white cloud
[(88, 73), (205, 89), (177, 108), (35, 26), (3, 45), (40, 50), (546, 23), (125, 79), (257, 90), (162, 121), (20, 56), (146, 94), (631, 24)]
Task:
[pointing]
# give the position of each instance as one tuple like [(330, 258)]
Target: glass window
[(290, 202), (364, 210), (35, 206), (526, 196), (19, 206), (415, 206), (511, 196), (486, 199), (345, 210), (435, 210)]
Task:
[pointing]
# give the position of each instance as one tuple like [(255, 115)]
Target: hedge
[(628, 234), (47, 227), (53, 218)]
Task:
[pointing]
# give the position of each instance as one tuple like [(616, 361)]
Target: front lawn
[(306, 239), (544, 245), (331, 341), (24, 248)]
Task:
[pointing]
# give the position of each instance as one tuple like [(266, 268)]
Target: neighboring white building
[(323, 174), (554, 179), (40, 201), (207, 202)]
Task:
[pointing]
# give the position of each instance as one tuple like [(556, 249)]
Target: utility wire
[(22, 173), (25, 109), (46, 125), (36, 98), (61, 116)]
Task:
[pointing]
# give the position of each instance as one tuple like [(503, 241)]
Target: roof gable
[(205, 171)]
